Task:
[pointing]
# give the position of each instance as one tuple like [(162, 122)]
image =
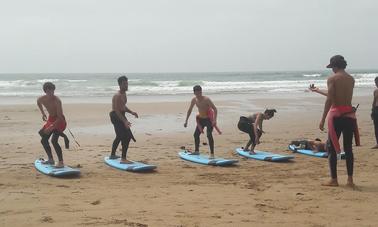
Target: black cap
[(337, 61)]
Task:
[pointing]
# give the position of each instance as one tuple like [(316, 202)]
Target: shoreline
[(225, 96)]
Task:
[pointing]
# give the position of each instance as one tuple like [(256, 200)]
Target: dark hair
[(270, 112), (48, 86), (197, 88), (376, 79), (121, 79)]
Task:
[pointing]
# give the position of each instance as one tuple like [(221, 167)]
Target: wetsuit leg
[(209, 133), (115, 146), (332, 157), (118, 131), (247, 128), (348, 129), (123, 135), (45, 143), (66, 140), (125, 140), (375, 119), (196, 135), (58, 149)]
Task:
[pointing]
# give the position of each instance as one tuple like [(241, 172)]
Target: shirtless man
[(55, 124), (341, 117), (119, 120), (374, 113), (203, 104)]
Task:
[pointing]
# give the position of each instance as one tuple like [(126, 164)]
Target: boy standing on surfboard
[(119, 120), (55, 123), (204, 104), (253, 126)]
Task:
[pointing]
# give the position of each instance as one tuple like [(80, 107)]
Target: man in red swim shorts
[(55, 124)]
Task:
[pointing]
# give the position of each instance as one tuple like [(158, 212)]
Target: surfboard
[(264, 156), (51, 170), (134, 166), (319, 154), (204, 159)]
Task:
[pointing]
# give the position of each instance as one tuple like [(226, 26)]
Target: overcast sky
[(76, 36)]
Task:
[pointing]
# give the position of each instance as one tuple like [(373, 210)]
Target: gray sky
[(42, 36)]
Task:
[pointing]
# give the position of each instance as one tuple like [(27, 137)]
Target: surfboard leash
[(73, 137)]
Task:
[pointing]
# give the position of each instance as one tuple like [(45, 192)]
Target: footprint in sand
[(62, 186), (96, 202), (47, 219)]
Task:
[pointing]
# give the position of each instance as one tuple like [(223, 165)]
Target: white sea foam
[(96, 85)]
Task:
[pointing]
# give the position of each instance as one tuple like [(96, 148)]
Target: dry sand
[(180, 193)]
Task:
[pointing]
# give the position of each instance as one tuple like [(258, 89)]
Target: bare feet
[(125, 161), (331, 183), (114, 157), (48, 162), (211, 156), (60, 164), (375, 147), (252, 152), (350, 183)]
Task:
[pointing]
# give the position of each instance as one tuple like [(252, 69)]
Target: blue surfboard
[(51, 170), (264, 156), (134, 166), (204, 159), (319, 154)]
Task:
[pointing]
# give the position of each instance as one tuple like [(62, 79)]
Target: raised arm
[(329, 101), (189, 111), (317, 90)]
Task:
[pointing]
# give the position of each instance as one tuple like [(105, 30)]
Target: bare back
[(342, 85), (253, 117), (52, 104)]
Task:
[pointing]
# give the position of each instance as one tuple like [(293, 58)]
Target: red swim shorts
[(60, 127)]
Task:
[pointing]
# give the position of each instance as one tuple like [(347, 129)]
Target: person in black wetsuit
[(203, 104), (252, 125), (374, 113), (119, 120), (55, 124)]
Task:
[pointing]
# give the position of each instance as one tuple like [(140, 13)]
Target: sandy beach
[(180, 193)]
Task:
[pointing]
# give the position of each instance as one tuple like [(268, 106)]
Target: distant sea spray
[(103, 85)]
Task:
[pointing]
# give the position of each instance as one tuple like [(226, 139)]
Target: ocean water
[(171, 84)]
